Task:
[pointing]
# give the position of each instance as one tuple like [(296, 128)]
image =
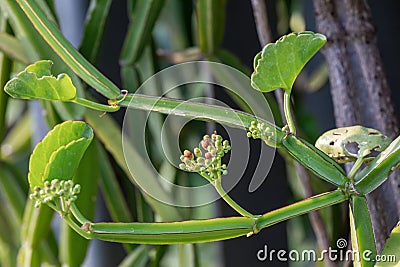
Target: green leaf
[(94, 28), (379, 169), (210, 24), (13, 48), (37, 82), (37, 228), (362, 235), (53, 36), (58, 155), (144, 17), (112, 191), (279, 63), (139, 257), (391, 251)]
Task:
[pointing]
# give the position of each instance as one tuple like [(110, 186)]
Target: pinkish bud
[(205, 143), (187, 154)]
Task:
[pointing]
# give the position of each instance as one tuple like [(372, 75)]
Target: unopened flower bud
[(205, 143), (218, 143), (201, 160), (187, 154), (197, 152), (208, 155)]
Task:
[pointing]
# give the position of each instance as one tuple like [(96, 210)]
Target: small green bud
[(201, 160), (218, 143), (61, 192), (197, 152), (182, 166), (76, 189)]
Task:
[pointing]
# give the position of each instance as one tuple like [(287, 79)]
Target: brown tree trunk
[(360, 91)]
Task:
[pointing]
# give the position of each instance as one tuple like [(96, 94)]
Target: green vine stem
[(218, 186), (95, 106), (226, 116), (355, 168), (301, 207), (288, 113), (194, 231)]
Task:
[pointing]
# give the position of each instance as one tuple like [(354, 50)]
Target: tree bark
[(360, 91)]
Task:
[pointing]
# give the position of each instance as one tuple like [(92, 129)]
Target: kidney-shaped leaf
[(279, 63), (58, 155), (37, 82), (379, 169)]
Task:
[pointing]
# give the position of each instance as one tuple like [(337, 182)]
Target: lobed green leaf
[(278, 65), (37, 82), (58, 155)]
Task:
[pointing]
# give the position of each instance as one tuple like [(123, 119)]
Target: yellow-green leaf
[(390, 255), (37, 82), (58, 155)]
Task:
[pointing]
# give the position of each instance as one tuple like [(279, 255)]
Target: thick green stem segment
[(197, 231), (362, 235), (288, 112), (315, 160), (189, 109), (230, 201), (94, 105), (67, 52), (299, 208), (175, 232)]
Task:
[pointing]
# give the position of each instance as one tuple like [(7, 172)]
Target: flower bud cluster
[(260, 130), (206, 160), (54, 190)]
